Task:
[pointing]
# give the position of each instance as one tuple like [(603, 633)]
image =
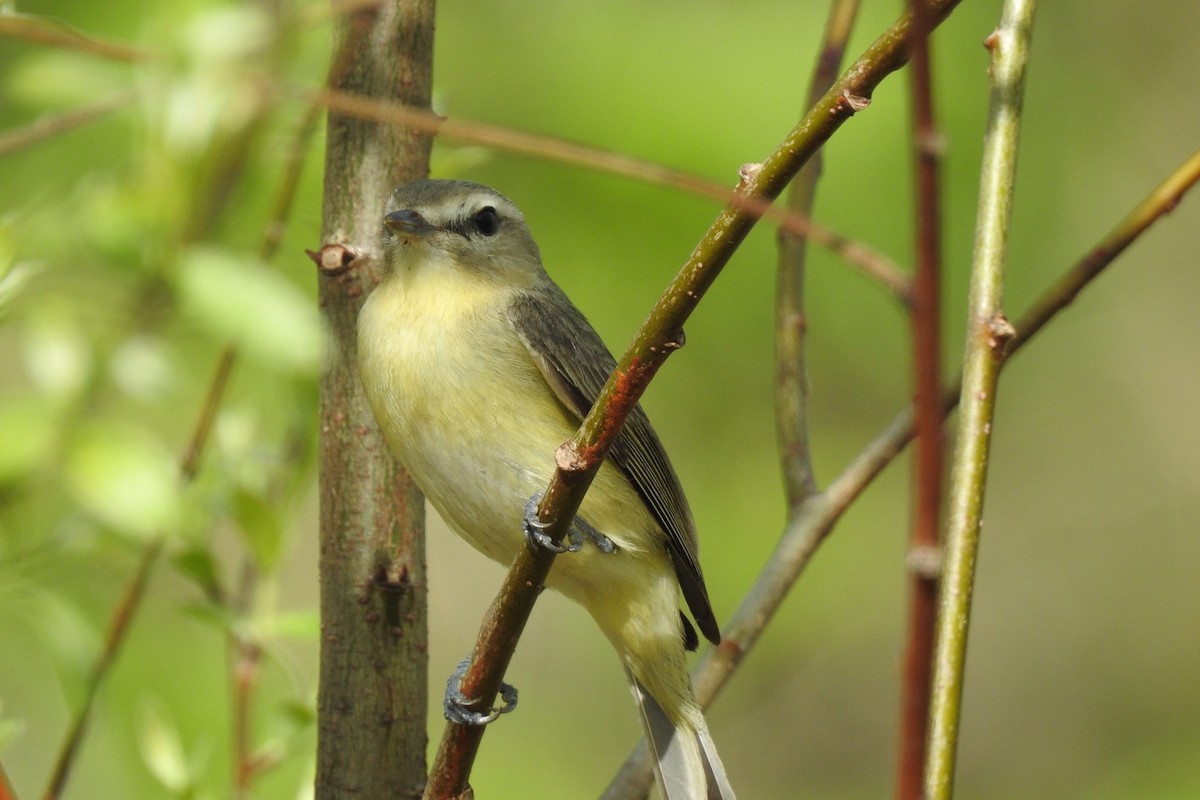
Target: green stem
[(988, 332)]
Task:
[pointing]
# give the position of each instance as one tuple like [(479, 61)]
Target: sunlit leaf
[(303, 625), (237, 298), (57, 355), (30, 429), (124, 478), (161, 748)]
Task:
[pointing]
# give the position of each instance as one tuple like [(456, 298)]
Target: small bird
[(477, 367)]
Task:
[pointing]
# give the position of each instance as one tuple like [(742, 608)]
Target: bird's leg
[(536, 537), (455, 703)]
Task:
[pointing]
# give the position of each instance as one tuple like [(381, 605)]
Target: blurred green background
[(123, 272)]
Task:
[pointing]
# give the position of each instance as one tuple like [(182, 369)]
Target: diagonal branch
[(871, 263), (578, 460)]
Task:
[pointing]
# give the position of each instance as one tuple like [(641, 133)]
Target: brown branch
[(578, 460), (6, 790), (822, 511), (57, 124), (869, 262), (925, 321), (118, 627), (372, 695), (37, 30)]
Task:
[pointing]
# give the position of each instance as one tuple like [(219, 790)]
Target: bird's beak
[(407, 222)]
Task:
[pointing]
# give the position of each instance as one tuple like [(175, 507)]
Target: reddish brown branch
[(928, 452)]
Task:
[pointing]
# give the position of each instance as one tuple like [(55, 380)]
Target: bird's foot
[(535, 532), (455, 703)]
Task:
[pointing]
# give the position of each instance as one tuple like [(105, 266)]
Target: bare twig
[(871, 263), (56, 124), (6, 790), (924, 316), (43, 31), (578, 460), (117, 629), (791, 324), (987, 334)]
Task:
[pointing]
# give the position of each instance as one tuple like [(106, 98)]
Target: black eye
[(486, 221)]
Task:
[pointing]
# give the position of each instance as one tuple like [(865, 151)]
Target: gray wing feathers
[(576, 364)]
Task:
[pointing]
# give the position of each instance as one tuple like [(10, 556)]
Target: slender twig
[(924, 316), (987, 333), (871, 263), (822, 511), (578, 459), (791, 323), (1165, 197), (117, 629), (6, 790), (245, 661), (56, 124), (43, 31)]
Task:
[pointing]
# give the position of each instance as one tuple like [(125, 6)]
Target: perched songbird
[(478, 367)]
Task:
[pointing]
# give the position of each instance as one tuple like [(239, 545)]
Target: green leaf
[(301, 625), (30, 430), (125, 479), (199, 565), (161, 747), (261, 527), (238, 298)]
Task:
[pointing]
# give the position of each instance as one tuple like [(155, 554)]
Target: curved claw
[(534, 528), (534, 532), (455, 703)]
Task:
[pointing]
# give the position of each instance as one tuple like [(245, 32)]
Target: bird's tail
[(685, 758)]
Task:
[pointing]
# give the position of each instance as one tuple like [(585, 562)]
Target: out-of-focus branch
[(37, 30), (925, 319), (53, 125), (117, 629), (988, 332)]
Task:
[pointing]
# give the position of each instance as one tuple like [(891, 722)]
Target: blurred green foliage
[(130, 257)]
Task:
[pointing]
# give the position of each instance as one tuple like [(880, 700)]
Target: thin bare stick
[(924, 319), (871, 263), (822, 511), (37, 30), (53, 125), (791, 324), (6, 790), (578, 460), (117, 629), (987, 334)]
